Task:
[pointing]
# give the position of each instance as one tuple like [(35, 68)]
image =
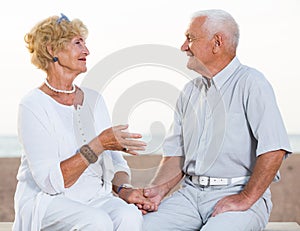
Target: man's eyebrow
[(187, 34)]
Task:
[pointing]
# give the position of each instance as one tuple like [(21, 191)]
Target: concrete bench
[(285, 193), (272, 226), (281, 226)]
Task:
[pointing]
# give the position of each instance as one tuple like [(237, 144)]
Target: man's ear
[(218, 42)]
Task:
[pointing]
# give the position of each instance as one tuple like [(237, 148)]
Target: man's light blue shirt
[(221, 125)]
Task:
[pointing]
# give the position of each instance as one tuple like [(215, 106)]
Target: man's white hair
[(220, 21)]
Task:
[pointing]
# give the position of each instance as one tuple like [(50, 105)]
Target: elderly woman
[(71, 160)]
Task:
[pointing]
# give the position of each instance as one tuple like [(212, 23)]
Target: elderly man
[(227, 143)]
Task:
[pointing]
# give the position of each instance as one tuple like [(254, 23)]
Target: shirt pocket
[(237, 134)]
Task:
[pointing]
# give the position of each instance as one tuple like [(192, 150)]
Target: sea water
[(10, 146)]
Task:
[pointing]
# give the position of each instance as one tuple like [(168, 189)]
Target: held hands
[(115, 138), (154, 194), (135, 196)]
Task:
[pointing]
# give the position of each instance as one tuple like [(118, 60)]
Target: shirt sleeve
[(173, 143), (264, 117), (41, 154), (120, 164)]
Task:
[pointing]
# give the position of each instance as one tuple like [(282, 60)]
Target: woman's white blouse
[(48, 135)]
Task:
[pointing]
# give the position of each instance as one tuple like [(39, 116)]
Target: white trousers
[(108, 213), (190, 209)]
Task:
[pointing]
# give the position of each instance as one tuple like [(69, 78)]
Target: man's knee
[(233, 221), (151, 222)]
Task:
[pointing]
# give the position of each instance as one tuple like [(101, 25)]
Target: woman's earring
[(55, 59)]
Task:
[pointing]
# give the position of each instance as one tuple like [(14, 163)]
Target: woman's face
[(73, 57)]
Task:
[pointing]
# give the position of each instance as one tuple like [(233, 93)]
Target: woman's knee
[(131, 212), (88, 219), (128, 217), (97, 220)]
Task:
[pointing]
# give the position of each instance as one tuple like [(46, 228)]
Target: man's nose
[(185, 46)]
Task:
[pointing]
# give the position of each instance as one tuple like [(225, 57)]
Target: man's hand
[(155, 194), (167, 176), (236, 202), (264, 172)]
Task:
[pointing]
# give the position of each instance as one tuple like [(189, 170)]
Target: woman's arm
[(113, 138)]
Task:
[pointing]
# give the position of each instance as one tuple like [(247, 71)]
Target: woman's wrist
[(88, 154), (126, 185), (96, 146)]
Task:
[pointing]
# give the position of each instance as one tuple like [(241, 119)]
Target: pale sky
[(269, 42)]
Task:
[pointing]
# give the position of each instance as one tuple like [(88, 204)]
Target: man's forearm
[(263, 174), (169, 173)]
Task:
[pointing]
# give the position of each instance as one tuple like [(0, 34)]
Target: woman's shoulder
[(34, 96), (89, 92), (91, 95)]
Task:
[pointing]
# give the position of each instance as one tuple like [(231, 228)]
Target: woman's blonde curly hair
[(54, 32)]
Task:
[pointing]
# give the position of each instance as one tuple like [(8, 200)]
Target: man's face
[(198, 47)]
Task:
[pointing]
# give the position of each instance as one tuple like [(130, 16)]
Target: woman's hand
[(115, 138), (135, 196)]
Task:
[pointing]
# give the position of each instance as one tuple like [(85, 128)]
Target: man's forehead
[(197, 21), (195, 25)]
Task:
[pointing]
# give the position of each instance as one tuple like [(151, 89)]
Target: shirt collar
[(219, 79), (207, 82)]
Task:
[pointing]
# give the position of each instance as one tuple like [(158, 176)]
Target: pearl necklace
[(61, 91)]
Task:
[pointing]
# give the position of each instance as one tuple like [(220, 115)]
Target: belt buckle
[(204, 181)]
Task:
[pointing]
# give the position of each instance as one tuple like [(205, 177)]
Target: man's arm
[(263, 174), (168, 175)]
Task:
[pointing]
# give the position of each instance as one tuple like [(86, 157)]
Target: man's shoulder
[(250, 76), (196, 82), (251, 73)]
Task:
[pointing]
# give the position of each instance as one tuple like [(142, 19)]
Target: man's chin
[(190, 66)]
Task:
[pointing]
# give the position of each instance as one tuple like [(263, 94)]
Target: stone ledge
[(5, 226), (272, 226), (281, 226)]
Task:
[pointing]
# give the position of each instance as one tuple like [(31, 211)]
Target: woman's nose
[(86, 51)]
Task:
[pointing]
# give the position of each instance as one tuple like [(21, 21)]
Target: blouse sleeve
[(41, 153), (102, 121)]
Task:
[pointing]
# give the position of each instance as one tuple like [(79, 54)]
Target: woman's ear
[(50, 50)]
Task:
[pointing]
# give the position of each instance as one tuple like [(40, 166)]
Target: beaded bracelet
[(88, 154)]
